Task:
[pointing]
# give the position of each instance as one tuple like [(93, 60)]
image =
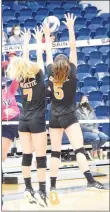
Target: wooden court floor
[(73, 196)]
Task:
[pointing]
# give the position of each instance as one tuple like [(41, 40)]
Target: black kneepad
[(41, 162), (55, 154), (27, 160), (80, 150)]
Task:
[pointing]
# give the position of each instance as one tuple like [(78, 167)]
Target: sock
[(89, 176), (42, 187), (2, 176), (53, 182), (2, 170), (28, 183)]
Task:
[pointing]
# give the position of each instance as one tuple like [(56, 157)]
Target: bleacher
[(93, 76)]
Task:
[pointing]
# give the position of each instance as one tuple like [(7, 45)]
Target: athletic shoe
[(29, 195), (96, 186), (54, 199), (42, 198)]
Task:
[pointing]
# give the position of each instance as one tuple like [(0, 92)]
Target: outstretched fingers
[(72, 16), (69, 16), (41, 28), (26, 34), (38, 29)]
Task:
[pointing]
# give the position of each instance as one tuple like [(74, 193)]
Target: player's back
[(33, 98), (63, 96)]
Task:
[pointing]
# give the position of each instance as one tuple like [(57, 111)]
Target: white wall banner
[(62, 44)]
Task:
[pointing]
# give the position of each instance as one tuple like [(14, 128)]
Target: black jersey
[(33, 97), (63, 97)]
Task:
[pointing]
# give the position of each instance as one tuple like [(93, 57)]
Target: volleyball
[(53, 22)]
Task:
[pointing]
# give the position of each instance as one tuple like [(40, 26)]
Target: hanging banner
[(57, 45)]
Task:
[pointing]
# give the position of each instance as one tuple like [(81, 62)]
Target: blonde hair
[(19, 69), (61, 71)]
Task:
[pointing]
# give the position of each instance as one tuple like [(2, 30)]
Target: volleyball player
[(10, 112), (32, 130), (62, 83)]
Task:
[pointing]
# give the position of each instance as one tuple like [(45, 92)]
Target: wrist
[(71, 30), (26, 42), (47, 36), (39, 40)]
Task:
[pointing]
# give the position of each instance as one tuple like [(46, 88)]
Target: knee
[(55, 154), (80, 150), (41, 162), (27, 160), (96, 137), (103, 136)]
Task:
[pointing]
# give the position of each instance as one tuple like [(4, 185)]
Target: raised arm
[(48, 45), (70, 20), (26, 36), (38, 33)]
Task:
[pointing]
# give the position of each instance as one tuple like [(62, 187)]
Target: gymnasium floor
[(73, 196)]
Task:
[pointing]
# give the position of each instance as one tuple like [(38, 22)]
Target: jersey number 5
[(28, 92), (58, 92)]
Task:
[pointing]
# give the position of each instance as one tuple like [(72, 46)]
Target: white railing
[(47, 122)]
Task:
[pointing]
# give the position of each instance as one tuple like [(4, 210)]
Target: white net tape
[(56, 45)]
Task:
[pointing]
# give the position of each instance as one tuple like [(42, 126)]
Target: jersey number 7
[(58, 92), (28, 92)]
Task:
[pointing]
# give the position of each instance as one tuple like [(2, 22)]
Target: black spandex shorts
[(10, 131), (32, 126), (63, 121)]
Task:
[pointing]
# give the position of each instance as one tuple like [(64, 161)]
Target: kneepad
[(27, 160), (41, 162), (55, 154), (80, 150)]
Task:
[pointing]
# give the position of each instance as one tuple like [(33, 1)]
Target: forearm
[(48, 48), (39, 55), (72, 40), (26, 50), (72, 43)]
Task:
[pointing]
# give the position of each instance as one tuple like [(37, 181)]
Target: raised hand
[(38, 33), (26, 35), (46, 29), (70, 20)]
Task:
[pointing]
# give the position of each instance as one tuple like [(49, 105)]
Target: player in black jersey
[(32, 129), (62, 84)]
